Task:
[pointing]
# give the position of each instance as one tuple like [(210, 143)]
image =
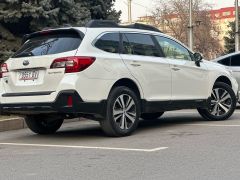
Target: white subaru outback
[(111, 73)]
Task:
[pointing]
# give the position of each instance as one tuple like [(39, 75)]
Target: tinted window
[(235, 60), (225, 62), (109, 43), (172, 49), (49, 44), (139, 44)]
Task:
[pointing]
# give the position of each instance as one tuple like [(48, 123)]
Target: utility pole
[(190, 40), (130, 11), (237, 26)]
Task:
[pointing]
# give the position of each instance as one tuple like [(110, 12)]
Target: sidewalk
[(8, 123)]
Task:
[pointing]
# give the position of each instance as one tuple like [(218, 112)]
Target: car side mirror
[(197, 58)]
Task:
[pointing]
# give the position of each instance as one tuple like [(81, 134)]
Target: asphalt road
[(180, 145)]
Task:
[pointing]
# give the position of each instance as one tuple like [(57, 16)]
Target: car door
[(143, 58), (189, 82), (235, 67)]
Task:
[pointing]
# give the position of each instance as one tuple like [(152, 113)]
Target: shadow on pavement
[(94, 130), (168, 122), (90, 131)]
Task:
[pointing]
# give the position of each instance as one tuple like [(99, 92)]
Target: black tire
[(151, 116), (40, 124), (231, 104), (114, 126)]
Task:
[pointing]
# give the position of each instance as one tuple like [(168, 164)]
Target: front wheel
[(123, 110), (43, 124), (223, 103)]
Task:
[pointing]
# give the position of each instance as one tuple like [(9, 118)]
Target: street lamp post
[(237, 26), (190, 41), (129, 11)]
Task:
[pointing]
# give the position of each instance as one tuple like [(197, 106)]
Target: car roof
[(132, 30), (112, 24), (100, 30), (108, 24)]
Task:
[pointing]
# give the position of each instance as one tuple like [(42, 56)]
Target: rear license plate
[(28, 75)]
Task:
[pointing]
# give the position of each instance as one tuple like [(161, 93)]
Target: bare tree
[(172, 17)]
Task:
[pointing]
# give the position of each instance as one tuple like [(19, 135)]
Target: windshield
[(49, 44)]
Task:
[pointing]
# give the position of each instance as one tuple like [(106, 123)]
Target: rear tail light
[(4, 69), (73, 64)]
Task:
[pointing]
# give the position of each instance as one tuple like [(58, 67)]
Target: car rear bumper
[(67, 102)]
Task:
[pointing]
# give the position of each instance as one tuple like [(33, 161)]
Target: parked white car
[(111, 73), (231, 62)]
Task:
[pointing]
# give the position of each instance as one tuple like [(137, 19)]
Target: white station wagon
[(111, 73)]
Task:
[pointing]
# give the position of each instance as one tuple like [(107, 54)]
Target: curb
[(19, 123), (12, 124)]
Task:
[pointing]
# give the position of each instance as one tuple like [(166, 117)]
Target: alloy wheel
[(124, 111), (221, 102)]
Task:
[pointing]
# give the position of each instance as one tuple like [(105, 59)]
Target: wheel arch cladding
[(224, 79), (128, 83)]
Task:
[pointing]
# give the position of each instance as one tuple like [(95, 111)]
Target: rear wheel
[(43, 124), (223, 103), (151, 116), (123, 110)]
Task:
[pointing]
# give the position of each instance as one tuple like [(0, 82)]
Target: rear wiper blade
[(24, 54)]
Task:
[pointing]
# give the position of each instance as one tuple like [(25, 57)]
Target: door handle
[(135, 65), (175, 69)]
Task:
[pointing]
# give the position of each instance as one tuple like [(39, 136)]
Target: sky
[(145, 7)]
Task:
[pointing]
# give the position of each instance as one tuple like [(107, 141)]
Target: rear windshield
[(49, 44)]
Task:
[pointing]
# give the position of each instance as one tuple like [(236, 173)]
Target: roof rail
[(112, 24), (101, 23), (63, 26), (143, 26), (66, 25)]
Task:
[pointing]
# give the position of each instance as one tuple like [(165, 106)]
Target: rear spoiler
[(52, 32)]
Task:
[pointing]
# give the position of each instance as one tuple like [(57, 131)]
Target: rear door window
[(235, 60), (225, 61), (49, 44), (108, 42), (139, 44)]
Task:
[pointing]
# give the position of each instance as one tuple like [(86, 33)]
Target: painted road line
[(85, 147), (215, 125)]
